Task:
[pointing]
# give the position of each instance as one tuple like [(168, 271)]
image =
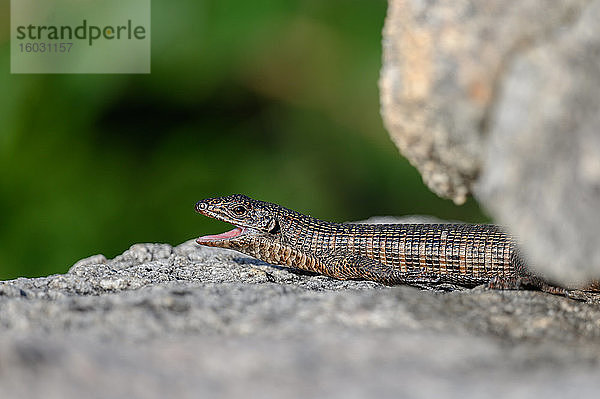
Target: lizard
[(424, 255)]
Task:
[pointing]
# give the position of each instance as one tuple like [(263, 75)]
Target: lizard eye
[(239, 210)]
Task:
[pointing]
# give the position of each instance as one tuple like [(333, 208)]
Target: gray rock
[(542, 174), (191, 321), (500, 98)]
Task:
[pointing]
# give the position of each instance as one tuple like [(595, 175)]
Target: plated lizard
[(466, 255)]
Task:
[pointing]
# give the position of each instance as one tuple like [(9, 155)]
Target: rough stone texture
[(501, 99), (544, 152), (190, 321)]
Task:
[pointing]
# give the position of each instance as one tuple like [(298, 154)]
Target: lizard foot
[(526, 282)]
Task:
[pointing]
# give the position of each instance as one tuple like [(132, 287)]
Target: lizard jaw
[(228, 235)]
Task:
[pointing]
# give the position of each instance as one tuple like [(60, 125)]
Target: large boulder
[(194, 322), (501, 99)]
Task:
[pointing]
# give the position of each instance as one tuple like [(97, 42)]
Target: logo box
[(80, 36)]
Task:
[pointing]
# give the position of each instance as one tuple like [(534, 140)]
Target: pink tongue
[(223, 236)]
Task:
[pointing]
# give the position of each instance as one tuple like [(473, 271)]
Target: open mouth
[(228, 235)]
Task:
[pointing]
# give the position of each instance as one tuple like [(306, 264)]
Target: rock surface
[(501, 99), (190, 321)]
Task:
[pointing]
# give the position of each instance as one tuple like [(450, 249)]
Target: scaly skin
[(419, 254)]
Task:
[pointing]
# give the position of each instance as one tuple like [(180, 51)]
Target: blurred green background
[(274, 99)]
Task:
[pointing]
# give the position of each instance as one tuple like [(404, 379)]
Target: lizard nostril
[(200, 206)]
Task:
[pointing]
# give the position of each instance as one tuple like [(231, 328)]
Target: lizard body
[(417, 254)]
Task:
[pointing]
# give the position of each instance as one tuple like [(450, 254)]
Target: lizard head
[(250, 218)]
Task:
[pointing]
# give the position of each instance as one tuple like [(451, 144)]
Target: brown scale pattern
[(467, 254)]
